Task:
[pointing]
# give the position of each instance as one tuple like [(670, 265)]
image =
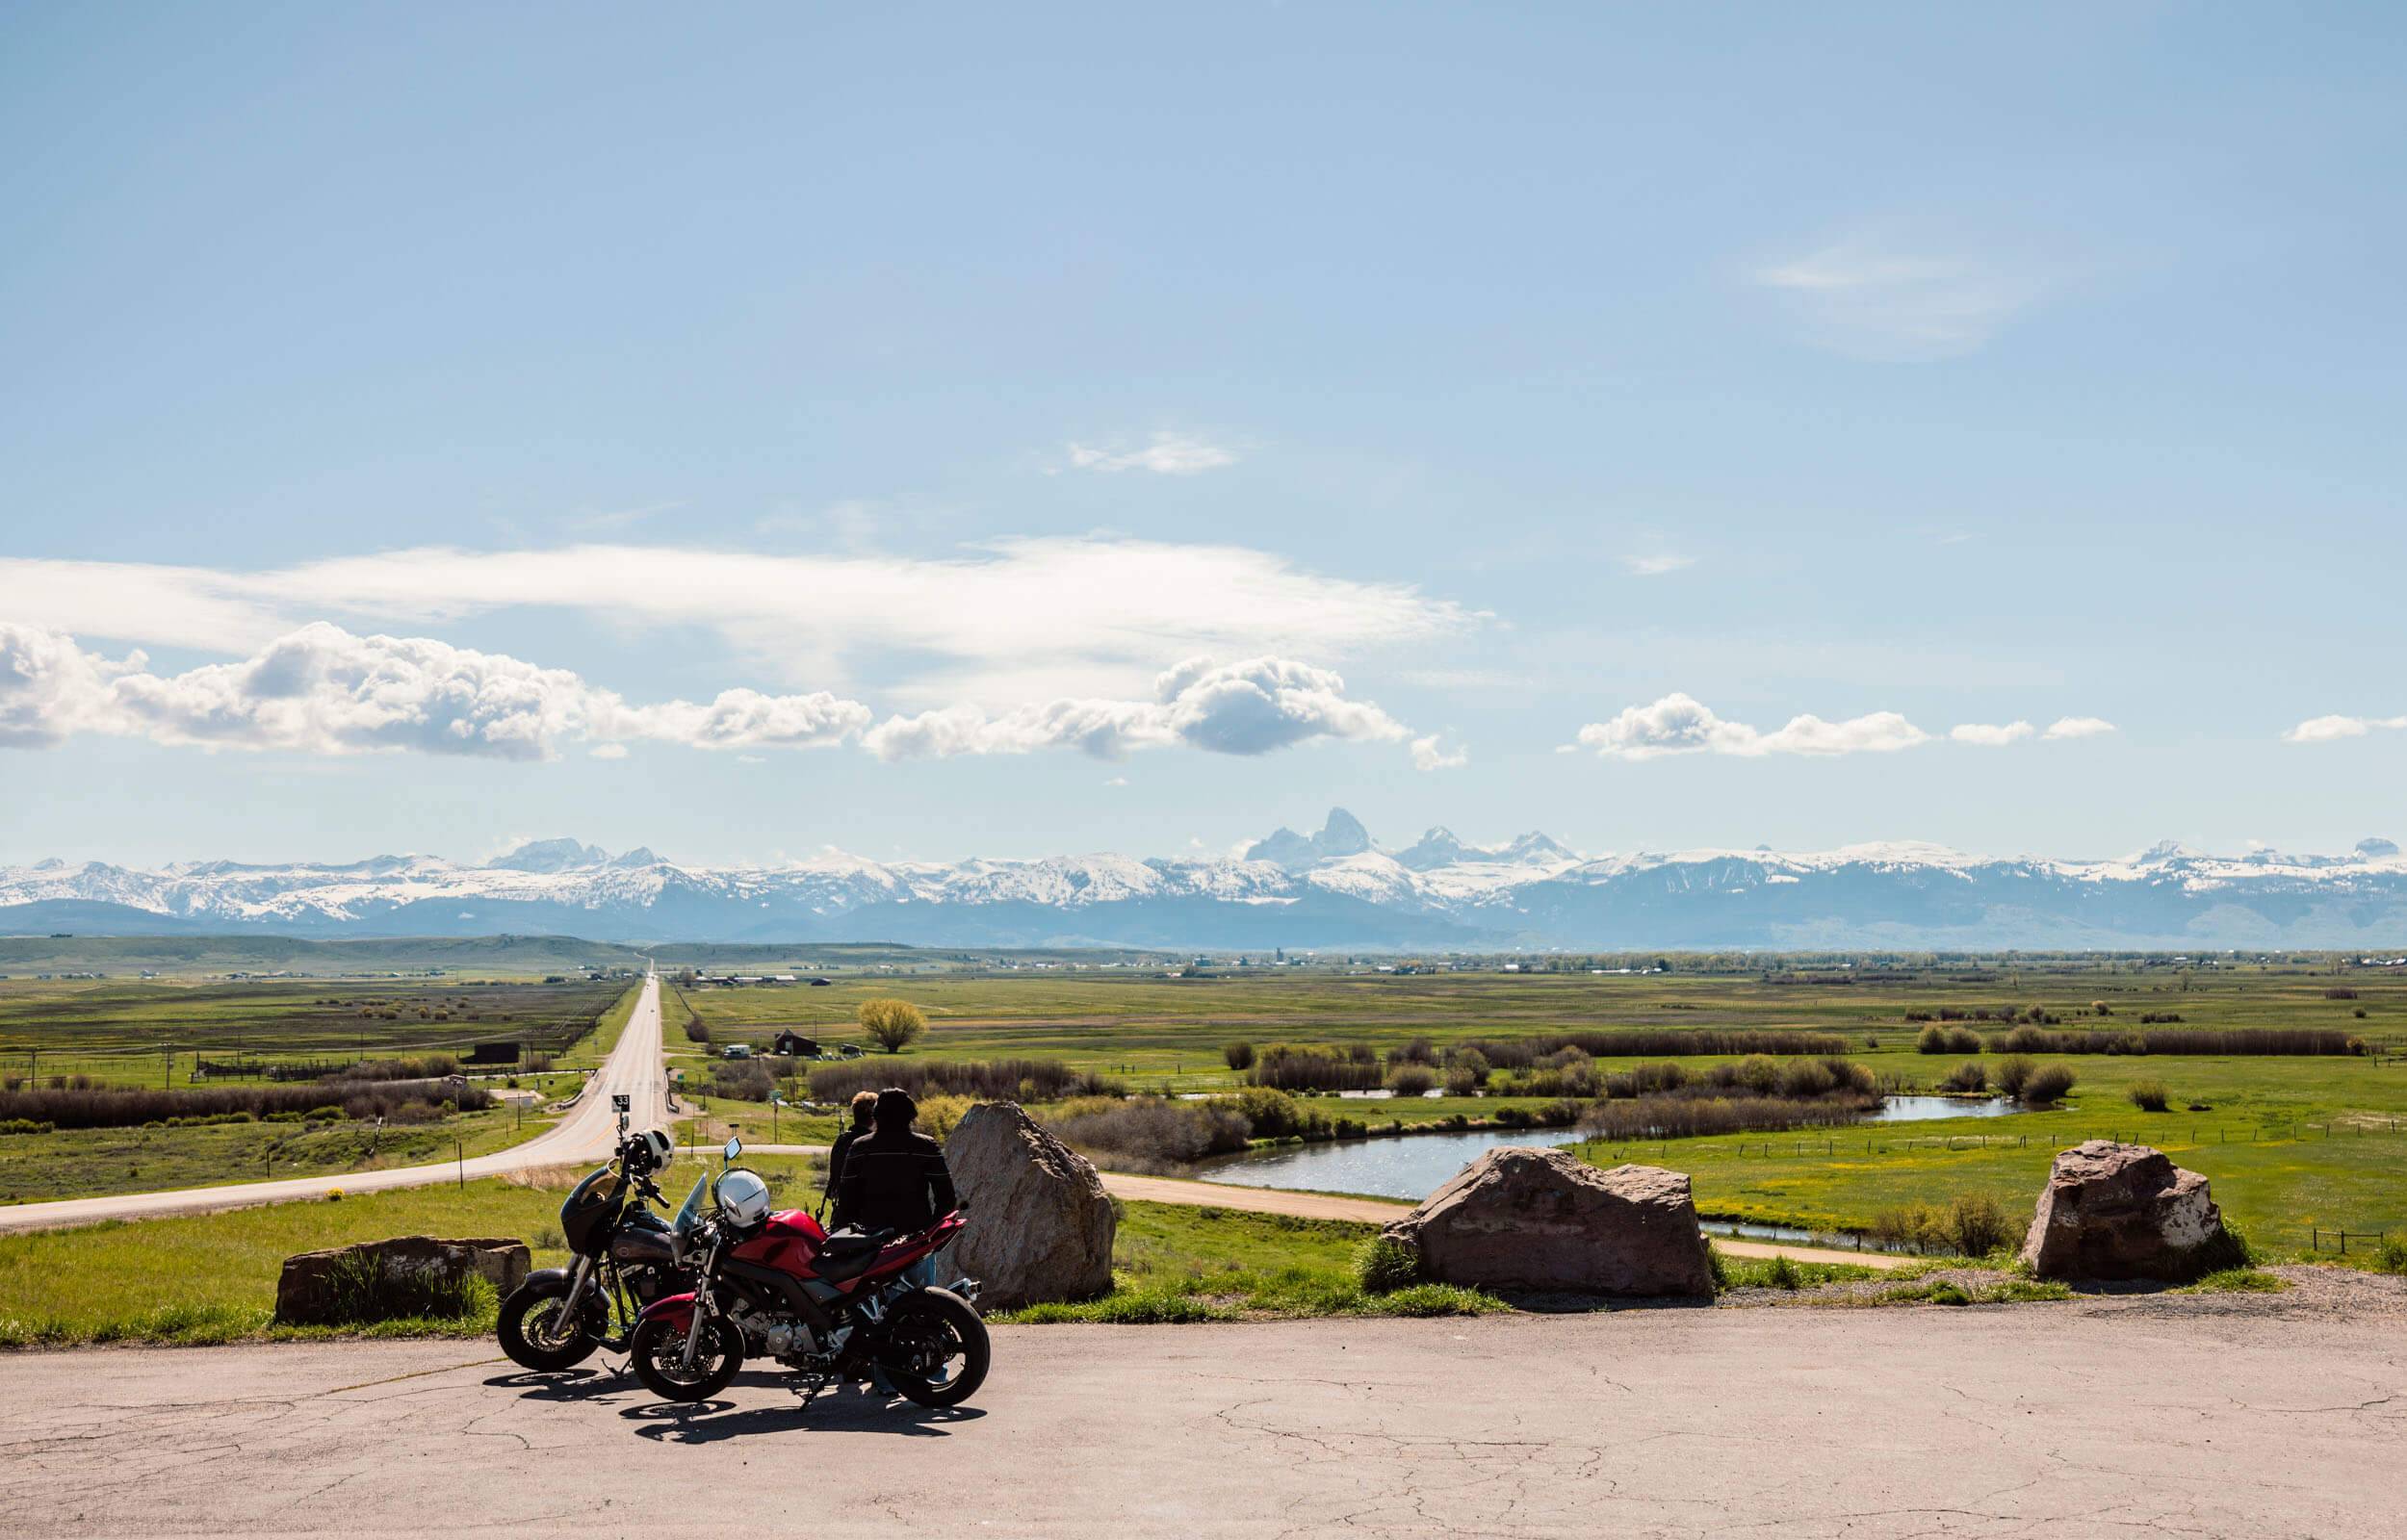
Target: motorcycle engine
[(648, 1283), (779, 1336)]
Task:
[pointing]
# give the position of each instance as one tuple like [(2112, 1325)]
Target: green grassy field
[(87, 1025), (2294, 1144), (153, 1032)]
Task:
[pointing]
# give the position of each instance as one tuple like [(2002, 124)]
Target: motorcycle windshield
[(690, 1212)]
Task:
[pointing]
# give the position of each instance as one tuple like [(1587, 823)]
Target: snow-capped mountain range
[(1337, 887)]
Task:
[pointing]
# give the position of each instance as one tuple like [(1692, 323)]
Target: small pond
[(1929, 1109), (1415, 1165), (1403, 1165)]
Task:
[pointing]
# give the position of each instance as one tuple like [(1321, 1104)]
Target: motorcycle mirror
[(735, 1147)]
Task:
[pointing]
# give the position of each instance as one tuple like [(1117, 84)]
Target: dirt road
[(585, 1137), (2102, 1418)]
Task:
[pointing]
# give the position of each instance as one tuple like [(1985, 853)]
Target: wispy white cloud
[(2315, 729), (2077, 727), (1163, 454), (1656, 566), (1990, 737), (1427, 754), (1870, 297), (1002, 624)]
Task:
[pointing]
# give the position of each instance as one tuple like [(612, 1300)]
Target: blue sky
[(773, 429)]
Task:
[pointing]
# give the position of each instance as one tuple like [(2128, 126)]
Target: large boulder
[(1538, 1221), (2125, 1212), (1039, 1223), (377, 1280)]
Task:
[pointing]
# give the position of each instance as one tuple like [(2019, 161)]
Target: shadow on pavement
[(852, 1410), (568, 1384)]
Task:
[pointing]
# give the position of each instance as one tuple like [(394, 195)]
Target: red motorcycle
[(829, 1307)]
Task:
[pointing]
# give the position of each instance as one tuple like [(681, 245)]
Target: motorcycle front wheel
[(536, 1330), (935, 1349), (657, 1353)]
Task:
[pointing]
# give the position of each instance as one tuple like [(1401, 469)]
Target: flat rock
[(322, 1288), (1538, 1221), (2125, 1212), (1039, 1224)]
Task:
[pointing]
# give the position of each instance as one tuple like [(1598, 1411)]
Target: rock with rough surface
[(1538, 1221), (321, 1288), (2125, 1212), (1039, 1224)]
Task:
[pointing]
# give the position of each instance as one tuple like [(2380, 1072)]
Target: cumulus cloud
[(1428, 755), (1873, 298), (1164, 454), (322, 690), (1680, 723), (1991, 736), (2078, 726), (1657, 565), (2315, 729), (1248, 708), (50, 687), (1002, 624)]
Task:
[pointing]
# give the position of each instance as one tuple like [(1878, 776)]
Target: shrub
[(1275, 1115), (2012, 1073), (1301, 1067), (1239, 1055), (890, 1023), (1967, 1076), (742, 1079), (1411, 1080), (1936, 1038), (1783, 1275), (1418, 1051), (1385, 1263), (1149, 1131), (2392, 1257), (1977, 1224), (1461, 1080), (2148, 1095), (1469, 1062), (988, 1080), (939, 1115), (394, 1100), (1520, 1053), (2046, 1084)]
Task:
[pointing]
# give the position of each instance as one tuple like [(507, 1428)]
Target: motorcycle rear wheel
[(657, 1351), (936, 1349), (533, 1334)]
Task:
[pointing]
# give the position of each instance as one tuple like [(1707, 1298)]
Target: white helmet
[(657, 1149), (743, 1198)]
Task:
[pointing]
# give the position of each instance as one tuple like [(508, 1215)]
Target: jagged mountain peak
[(550, 856), (641, 855), (1341, 834)]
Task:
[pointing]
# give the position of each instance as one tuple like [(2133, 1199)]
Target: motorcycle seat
[(848, 1252)]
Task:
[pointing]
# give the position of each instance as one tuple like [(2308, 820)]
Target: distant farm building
[(494, 1053), (792, 1044)]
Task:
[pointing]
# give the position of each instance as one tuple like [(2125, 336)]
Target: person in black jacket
[(862, 1103), (896, 1179)]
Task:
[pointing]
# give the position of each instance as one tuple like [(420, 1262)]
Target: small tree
[(1240, 1056), (891, 1023)]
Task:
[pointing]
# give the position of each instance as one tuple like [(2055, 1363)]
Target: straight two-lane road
[(585, 1137)]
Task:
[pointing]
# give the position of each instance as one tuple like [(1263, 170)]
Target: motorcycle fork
[(704, 1305)]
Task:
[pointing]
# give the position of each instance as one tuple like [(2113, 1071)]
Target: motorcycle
[(626, 1259), (831, 1308)]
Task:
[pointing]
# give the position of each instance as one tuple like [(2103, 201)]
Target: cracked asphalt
[(2106, 1418)]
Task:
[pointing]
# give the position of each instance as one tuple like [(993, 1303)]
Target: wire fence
[(2337, 1241)]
